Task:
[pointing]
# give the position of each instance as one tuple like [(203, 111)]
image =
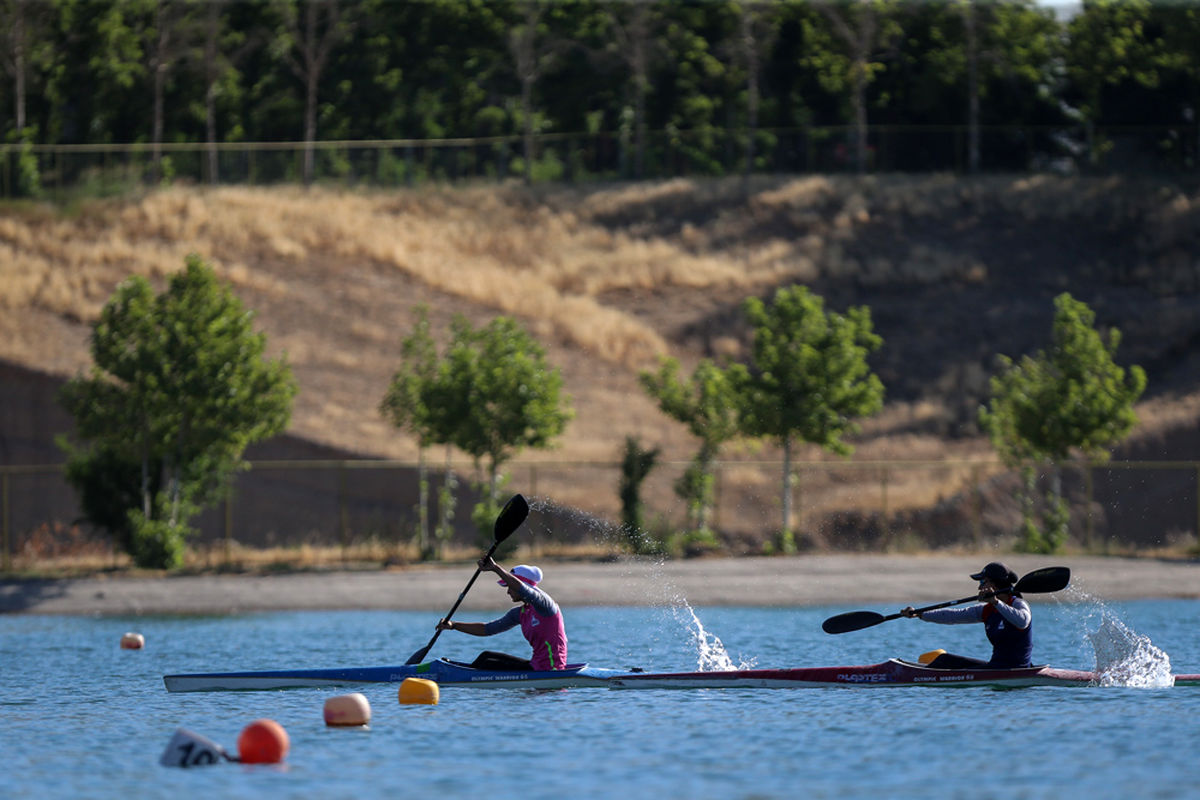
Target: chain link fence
[(878, 506), (104, 169)]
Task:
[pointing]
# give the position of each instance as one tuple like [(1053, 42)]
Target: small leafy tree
[(808, 378), (495, 394), (1072, 399), (706, 403), (404, 404), (178, 390), (636, 464)]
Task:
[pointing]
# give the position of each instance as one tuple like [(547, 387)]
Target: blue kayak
[(443, 671)]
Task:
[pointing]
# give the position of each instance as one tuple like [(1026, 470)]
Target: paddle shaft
[(419, 656), (946, 604), (1047, 579), (511, 517)]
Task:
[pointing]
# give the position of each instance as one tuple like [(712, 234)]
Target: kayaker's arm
[(1018, 614), (947, 616), (473, 628)]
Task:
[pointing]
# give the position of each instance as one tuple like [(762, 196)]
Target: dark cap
[(997, 573)]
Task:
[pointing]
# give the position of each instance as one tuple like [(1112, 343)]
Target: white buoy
[(347, 710), (133, 641)]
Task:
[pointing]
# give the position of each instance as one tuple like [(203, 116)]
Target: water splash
[(1126, 658), (1123, 656), (711, 655)]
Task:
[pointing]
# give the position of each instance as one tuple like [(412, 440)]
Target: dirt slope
[(610, 277)]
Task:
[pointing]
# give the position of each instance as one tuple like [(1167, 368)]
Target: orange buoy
[(418, 690), (133, 641), (347, 710), (263, 741)]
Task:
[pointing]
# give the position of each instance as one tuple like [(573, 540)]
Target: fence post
[(1089, 525), (977, 506), (1198, 501), (4, 503), (885, 533), (229, 524), (342, 508)]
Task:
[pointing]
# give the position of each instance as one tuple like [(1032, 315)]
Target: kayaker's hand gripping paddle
[(1040, 581), (511, 516)]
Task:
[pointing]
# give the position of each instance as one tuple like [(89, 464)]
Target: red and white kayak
[(893, 672)]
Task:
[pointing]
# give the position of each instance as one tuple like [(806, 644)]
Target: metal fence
[(100, 169), (845, 505)]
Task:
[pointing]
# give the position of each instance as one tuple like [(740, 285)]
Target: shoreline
[(811, 580)]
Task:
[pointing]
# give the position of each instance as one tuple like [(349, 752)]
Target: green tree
[(1070, 400), (808, 378), (849, 52), (1108, 45), (405, 405), (495, 394), (179, 388), (636, 464), (707, 404)]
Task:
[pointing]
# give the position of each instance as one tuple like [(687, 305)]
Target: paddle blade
[(419, 656), (851, 621), (511, 516), (1046, 579)]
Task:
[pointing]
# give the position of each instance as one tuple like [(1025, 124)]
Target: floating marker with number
[(187, 749)]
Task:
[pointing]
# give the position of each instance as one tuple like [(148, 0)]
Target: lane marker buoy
[(187, 749), (419, 691), (347, 710), (263, 741), (133, 641)]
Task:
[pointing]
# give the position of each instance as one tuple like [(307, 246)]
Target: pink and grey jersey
[(542, 624)]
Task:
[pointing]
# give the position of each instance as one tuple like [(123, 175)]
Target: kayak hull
[(443, 671), (893, 672)]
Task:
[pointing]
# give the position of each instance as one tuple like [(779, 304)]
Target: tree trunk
[(160, 62), (527, 114), (18, 62), (212, 32), (750, 47), (972, 88)]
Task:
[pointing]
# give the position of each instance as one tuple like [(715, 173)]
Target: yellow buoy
[(133, 641), (418, 690), (347, 710), (927, 658)]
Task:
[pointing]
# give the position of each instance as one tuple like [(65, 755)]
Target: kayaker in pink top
[(538, 615)]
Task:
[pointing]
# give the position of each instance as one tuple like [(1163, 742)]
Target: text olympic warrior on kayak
[(538, 615), (1006, 617)]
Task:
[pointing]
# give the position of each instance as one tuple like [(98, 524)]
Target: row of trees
[(154, 71), (180, 387)]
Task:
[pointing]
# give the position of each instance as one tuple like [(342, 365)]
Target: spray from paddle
[(711, 655), (1123, 656)]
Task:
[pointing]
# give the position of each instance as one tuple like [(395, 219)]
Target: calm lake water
[(81, 718)]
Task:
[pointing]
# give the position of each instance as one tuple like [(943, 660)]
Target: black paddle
[(1040, 581), (511, 516)]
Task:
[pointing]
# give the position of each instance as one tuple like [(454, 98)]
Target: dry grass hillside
[(611, 277)]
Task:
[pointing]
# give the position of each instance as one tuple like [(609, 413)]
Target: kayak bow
[(443, 671), (893, 672)]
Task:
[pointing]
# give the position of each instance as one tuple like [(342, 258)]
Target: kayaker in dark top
[(538, 615), (1006, 618)]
